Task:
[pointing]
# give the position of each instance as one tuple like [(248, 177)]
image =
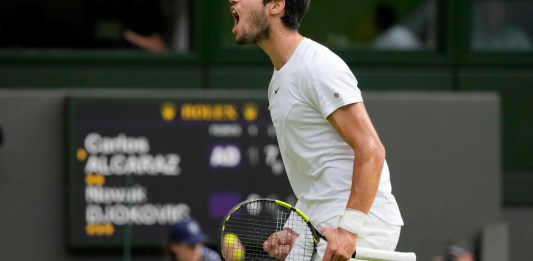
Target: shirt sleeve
[(332, 86)]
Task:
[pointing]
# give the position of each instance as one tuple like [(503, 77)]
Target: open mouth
[(235, 18)]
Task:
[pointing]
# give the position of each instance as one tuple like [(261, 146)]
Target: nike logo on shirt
[(276, 91)]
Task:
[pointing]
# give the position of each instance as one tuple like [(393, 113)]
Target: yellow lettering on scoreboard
[(209, 112), (99, 229), (95, 180)]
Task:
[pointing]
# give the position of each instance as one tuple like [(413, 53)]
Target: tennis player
[(333, 156)]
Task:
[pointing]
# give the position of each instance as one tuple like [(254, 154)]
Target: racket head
[(249, 224)]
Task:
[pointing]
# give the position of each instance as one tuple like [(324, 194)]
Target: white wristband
[(352, 220)]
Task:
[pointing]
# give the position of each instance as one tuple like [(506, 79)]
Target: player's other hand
[(279, 244), (340, 244)]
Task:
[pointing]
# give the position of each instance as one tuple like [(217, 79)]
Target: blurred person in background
[(158, 26), (493, 31), (393, 36), (459, 250), (144, 26), (186, 242)]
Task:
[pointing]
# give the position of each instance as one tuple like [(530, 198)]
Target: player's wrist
[(353, 221)]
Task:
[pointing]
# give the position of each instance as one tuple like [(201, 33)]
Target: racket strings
[(255, 223), (282, 216)]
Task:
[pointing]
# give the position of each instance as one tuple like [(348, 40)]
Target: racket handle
[(363, 253)]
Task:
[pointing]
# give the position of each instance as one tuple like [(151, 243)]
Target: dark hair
[(294, 12)]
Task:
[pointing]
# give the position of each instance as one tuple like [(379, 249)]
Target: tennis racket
[(250, 226)]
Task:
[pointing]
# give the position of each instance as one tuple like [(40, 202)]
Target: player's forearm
[(366, 176)]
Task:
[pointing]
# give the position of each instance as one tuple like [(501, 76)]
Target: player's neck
[(280, 46)]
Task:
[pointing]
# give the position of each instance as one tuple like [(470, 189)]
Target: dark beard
[(260, 30)]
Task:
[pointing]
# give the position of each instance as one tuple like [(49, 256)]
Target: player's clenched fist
[(279, 244), (340, 246)]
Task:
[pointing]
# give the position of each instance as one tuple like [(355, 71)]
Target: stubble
[(260, 29)]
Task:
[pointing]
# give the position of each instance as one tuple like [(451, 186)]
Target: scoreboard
[(138, 165)]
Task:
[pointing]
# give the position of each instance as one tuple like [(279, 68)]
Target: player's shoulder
[(318, 57), (315, 50)]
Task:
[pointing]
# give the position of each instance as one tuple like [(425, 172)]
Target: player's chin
[(244, 39), (240, 41), (238, 38)]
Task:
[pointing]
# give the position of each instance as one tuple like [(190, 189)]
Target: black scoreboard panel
[(138, 165)]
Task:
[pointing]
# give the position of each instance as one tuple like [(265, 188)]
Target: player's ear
[(277, 7)]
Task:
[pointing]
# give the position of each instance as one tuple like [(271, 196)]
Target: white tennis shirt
[(319, 163)]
